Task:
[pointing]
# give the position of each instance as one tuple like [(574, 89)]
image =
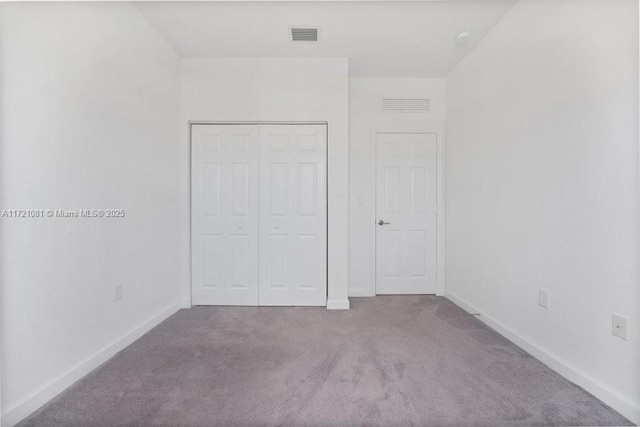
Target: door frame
[(251, 123), (440, 202)]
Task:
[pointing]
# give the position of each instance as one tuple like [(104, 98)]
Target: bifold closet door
[(224, 210), (259, 215), (293, 215)]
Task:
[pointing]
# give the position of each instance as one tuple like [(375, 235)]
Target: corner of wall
[(617, 401), (49, 390)]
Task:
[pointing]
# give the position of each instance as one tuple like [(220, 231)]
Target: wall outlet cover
[(619, 326), (543, 298)]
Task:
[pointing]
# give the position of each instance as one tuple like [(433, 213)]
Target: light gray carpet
[(399, 360)]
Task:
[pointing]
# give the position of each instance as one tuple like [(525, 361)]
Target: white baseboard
[(617, 401), (186, 303), (338, 304), (357, 293), (34, 400)]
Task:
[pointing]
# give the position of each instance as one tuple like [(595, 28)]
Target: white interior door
[(224, 209), (406, 195), (293, 215)]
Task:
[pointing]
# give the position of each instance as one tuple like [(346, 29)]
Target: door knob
[(381, 222)]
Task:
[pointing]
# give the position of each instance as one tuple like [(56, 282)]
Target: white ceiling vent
[(406, 105), (304, 34)]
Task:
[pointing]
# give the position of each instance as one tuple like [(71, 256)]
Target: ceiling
[(380, 38)]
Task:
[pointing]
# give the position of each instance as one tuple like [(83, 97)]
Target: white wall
[(542, 187), (254, 89), (89, 120), (366, 118)]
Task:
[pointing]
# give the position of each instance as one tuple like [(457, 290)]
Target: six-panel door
[(406, 190), (293, 215), (224, 203), (259, 215)]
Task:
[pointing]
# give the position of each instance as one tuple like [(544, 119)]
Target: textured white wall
[(269, 89), (89, 110), (366, 118), (542, 184)]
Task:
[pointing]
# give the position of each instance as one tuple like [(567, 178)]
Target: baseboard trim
[(357, 293), (186, 303), (36, 399), (338, 304), (617, 401)]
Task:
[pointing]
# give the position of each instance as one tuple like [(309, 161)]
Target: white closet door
[(293, 215), (224, 202), (406, 190)]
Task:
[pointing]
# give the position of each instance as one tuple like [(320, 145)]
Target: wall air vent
[(304, 34), (406, 105)]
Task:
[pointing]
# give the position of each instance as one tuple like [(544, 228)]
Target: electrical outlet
[(117, 292), (543, 298), (619, 326)]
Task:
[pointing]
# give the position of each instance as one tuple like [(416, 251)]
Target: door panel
[(240, 261), (293, 239), (406, 194), (212, 253), (278, 265), (224, 204)]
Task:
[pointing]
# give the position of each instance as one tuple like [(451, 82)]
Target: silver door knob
[(381, 222)]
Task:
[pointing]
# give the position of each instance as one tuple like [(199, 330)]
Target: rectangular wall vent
[(307, 34), (406, 105)]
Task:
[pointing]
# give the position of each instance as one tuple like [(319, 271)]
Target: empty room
[(323, 213)]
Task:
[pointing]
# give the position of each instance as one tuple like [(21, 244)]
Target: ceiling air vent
[(406, 105), (306, 34)]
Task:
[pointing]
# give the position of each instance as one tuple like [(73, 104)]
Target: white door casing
[(224, 214), (406, 201), (293, 215), (259, 214)]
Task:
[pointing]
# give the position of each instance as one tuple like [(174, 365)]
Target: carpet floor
[(397, 360)]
